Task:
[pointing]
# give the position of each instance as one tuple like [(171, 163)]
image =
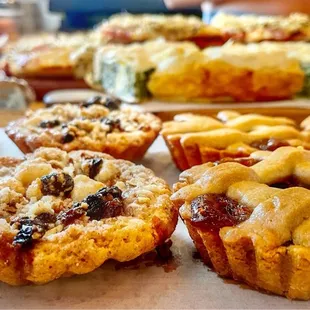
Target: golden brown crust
[(128, 137), (194, 139), (129, 28), (251, 28), (230, 73), (270, 249), (77, 246)]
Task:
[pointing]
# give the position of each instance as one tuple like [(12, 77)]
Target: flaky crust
[(148, 219), (270, 250), (129, 28), (195, 139), (130, 144), (251, 28)]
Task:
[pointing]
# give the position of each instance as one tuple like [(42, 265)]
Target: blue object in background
[(83, 14)]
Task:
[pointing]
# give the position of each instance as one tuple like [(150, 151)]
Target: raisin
[(92, 101), (106, 203), (28, 227), (113, 190), (94, 166), (217, 211), (113, 124), (44, 219), (67, 137), (56, 184), (112, 103), (49, 124), (71, 215), (24, 235), (108, 102)]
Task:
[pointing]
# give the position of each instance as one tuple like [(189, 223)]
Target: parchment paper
[(190, 286)]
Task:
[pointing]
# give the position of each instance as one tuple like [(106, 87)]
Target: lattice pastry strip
[(194, 140), (263, 231)]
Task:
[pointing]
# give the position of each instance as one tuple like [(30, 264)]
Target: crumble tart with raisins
[(250, 220), (197, 139), (96, 125), (67, 213)]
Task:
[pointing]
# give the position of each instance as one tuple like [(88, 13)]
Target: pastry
[(253, 28), (124, 71), (196, 139), (44, 55), (251, 221), (236, 73), (179, 71), (294, 49), (97, 125), (129, 28), (67, 213)]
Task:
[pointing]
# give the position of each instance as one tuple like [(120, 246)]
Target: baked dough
[(252, 223), (67, 213), (97, 125)]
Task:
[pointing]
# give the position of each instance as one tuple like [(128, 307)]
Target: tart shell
[(134, 148)]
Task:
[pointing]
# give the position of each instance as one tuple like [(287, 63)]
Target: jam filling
[(214, 211), (288, 182), (269, 144), (245, 161)]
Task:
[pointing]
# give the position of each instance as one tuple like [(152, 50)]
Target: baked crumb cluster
[(251, 222), (53, 194), (97, 124), (196, 139)]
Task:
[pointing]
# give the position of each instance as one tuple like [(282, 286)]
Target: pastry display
[(181, 72), (67, 213), (97, 124), (128, 28), (196, 139), (250, 220), (253, 28)]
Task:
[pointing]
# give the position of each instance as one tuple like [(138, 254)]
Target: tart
[(196, 139), (251, 222), (97, 125), (252, 28), (67, 213), (130, 28)]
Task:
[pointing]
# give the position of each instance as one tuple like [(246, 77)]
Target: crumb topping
[(52, 190)]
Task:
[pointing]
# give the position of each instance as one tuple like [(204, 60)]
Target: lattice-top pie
[(96, 125), (251, 221), (195, 139), (66, 213)]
